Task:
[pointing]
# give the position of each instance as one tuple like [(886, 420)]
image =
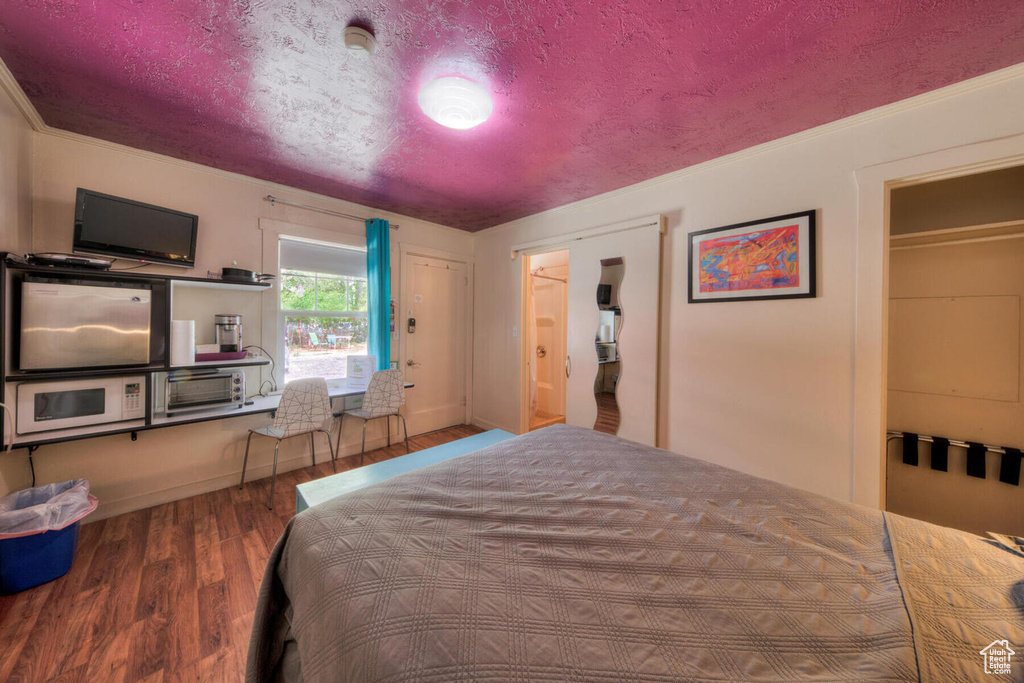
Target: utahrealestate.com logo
[(997, 657)]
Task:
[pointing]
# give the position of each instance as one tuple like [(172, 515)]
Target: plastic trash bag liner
[(45, 508)]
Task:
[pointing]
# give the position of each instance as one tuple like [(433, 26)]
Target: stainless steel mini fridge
[(83, 326)]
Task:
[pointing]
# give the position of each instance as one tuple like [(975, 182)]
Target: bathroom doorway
[(545, 335)]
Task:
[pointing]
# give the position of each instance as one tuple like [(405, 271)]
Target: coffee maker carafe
[(228, 328)]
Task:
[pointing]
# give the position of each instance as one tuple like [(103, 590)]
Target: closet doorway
[(545, 336), (955, 361)]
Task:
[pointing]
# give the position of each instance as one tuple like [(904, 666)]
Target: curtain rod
[(548, 277), (277, 200)]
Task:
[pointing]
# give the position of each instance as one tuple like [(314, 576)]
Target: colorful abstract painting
[(770, 258), (757, 260)]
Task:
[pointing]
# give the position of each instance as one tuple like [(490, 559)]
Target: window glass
[(324, 306)]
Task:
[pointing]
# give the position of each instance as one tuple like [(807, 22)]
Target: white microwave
[(66, 404)]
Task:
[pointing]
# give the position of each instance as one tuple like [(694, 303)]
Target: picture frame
[(770, 258)]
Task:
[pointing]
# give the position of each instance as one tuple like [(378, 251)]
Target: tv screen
[(122, 228)]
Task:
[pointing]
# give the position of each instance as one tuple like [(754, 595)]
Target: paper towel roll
[(183, 342)]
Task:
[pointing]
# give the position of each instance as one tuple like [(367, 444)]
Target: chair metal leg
[(362, 449), (273, 475), (405, 428), (337, 446), (312, 446), (246, 460), (330, 447)]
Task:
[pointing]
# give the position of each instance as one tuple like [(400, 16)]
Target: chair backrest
[(305, 407), (313, 339), (385, 393)]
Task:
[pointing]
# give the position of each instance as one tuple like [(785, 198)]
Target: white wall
[(16, 140), (171, 463), (764, 387)]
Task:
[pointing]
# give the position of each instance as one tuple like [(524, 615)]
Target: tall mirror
[(609, 363)]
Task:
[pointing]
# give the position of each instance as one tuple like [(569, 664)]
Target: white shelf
[(254, 360), (222, 285)]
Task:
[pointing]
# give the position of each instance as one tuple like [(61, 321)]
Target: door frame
[(557, 243), (406, 253), (525, 350), (871, 341)]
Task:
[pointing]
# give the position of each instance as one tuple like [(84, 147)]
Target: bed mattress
[(569, 555)]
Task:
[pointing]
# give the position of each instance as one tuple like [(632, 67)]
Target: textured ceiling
[(589, 96)]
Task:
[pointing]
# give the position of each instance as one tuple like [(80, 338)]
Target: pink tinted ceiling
[(589, 96)]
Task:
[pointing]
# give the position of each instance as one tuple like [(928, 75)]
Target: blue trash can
[(29, 561), (39, 533)]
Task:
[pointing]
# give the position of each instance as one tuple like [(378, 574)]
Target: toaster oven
[(189, 390)]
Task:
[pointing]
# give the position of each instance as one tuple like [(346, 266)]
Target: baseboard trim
[(195, 488), (487, 426)]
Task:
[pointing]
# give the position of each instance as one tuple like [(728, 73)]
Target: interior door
[(637, 387), (435, 346)]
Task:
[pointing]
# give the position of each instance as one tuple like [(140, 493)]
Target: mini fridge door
[(83, 326)]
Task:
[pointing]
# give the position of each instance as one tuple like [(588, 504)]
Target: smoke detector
[(359, 41)]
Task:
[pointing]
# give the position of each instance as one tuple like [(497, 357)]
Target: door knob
[(411, 363), (568, 366)]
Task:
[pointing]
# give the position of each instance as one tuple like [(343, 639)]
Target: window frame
[(273, 323)]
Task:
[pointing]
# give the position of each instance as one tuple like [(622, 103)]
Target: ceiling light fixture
[(455, 102), (359, 41)]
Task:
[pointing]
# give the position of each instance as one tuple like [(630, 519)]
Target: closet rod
[(889, 436), (277, 200)]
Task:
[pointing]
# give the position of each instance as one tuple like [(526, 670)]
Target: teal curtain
[(378, 273)]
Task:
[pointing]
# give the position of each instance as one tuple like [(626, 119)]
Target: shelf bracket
[(135, 436)]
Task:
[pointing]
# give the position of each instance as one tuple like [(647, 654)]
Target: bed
[(569, 555)]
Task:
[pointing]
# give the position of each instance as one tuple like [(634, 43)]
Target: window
[(324, 304)]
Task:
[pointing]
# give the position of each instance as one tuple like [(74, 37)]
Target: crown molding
[(10, 86), (13, 90), (334, 203), (978, 82)]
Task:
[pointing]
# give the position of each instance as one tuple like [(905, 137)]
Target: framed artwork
[(772, 258)]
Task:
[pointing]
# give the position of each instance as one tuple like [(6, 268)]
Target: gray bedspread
[(568, 555)]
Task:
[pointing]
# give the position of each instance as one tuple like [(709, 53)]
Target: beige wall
[(964, 298), (764, 387), (16, 140), (170, 463)]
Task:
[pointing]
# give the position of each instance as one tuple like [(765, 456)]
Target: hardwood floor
[(163, 594)]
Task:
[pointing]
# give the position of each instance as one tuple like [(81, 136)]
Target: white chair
[(385, 394), (305, 408)]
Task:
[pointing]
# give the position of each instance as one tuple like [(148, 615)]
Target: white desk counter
[(260, 404)]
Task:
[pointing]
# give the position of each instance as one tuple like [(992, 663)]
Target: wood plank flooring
[(163, 594)]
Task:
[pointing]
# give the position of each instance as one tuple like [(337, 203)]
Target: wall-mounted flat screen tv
[(122, 228)]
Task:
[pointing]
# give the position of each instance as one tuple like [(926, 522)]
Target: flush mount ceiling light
[(455, 102), (359, 41)]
